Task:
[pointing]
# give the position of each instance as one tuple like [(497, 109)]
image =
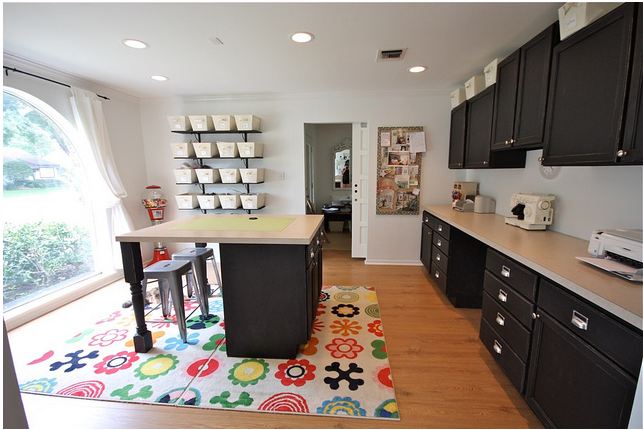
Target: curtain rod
[(13, 69)]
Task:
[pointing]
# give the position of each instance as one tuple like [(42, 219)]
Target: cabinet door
[(479, 124), (425, 250), (311, 277), (572, 385), (505, 105), (533, 83), (587, 94), (457, 136), (633, 140)]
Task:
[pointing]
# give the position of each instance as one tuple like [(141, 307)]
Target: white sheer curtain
[(107, 188)]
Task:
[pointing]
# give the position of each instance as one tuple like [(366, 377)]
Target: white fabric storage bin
[(185, 176), (186, 201), (252, 175), (247, 122), (230, 176), (253, 201), (201, 122), (229, 201), (179, 123), (224, 122), (473, 86), (457, 97), (182, 150), (208, 201), (574, 16), (250, 149), (205, 149), (208, 175), (228, 149), (490, 73)]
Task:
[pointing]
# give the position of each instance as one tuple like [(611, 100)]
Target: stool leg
[(199, 270), (176, 288), (164, 293), (216, 272), (190, 286)]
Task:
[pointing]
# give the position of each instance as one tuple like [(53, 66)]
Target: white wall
[(391, 238), (587, 198)]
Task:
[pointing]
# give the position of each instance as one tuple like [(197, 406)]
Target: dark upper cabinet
[(478, 136), (586, 104), (457, 136), (633, 138), (505, 107)]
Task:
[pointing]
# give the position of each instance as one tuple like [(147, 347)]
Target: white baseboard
[(393, 262)]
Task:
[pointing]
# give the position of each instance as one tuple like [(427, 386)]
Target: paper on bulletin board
[(386, 139), (417, 141)]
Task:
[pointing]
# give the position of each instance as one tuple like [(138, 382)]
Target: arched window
[(48, 224)]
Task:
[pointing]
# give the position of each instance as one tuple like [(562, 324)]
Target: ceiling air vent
[(390, 54)]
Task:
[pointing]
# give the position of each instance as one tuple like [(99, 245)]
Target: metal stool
[(198, 257), (169, 274)]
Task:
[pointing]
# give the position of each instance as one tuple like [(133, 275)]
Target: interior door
[(359, 192)]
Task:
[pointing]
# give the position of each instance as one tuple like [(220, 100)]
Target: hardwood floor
[(443, 375)]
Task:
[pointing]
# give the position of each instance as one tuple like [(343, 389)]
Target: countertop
[(298, 232), (552, 255)]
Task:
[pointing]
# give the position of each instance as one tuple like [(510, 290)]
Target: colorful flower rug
[(343, 369)]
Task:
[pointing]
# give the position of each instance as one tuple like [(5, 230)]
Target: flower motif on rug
[(373, 311), (201, 322), (324, 296), (344, 375), (249, 372), (371, 296), (383, 376), (376, 328), (217, 340), (166, 323), (123, 393), (344, 348), (285, 402), (347, 287), (155, 336), (310, 348), (295, 372), (243, 400), (321, 308), (79, 336), (110, 317), (318, 325), (341, 406), (74, 361), (181, 396), (177, 342), (346, 297), (345, 327), (156, 366), (115, 362), (388, 409), (345, 310), (379, 349), (41, 385), (109, 337), (203, 367), (189, 305), (90, 389), (46, 356)]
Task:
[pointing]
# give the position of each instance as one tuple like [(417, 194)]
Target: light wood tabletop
[(553, 255), (270, 229)]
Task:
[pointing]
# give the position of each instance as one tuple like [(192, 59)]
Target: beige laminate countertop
[(299, 232), (552, 255)]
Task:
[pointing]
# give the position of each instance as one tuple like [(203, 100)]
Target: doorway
[(336, 159)]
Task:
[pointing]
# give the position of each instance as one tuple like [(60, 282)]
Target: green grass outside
[(8, 194)]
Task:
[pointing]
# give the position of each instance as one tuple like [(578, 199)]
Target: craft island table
[(271, 270)]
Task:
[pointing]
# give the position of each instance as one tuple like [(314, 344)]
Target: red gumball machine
[(154, 201)]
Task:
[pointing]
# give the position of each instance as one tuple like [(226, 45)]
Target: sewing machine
[(531, 211)]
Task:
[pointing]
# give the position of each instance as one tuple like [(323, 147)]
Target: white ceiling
[(454, 40)]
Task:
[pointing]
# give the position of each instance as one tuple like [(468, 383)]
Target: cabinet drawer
[(514, 274), (521, 308), (620, 343), (440, 260), (439, 277), (513, 367), (441, 243), (506, 326), (439, 226), (425, 217), (311, 249)]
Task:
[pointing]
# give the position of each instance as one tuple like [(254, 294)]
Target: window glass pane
[(48, 232)]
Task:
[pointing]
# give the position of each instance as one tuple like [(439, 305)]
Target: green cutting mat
[(242, 223)]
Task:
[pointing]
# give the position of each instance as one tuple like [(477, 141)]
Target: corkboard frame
[(388, 192)]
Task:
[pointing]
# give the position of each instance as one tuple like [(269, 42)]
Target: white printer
[(620, 244)]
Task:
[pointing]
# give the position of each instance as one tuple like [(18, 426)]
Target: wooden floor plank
[(443, 375)]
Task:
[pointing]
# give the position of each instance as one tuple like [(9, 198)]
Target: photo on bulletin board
[(399, 160)]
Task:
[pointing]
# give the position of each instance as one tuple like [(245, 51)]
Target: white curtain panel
[(111, 217)]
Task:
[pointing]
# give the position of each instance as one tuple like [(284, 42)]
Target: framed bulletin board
[(399, 165)]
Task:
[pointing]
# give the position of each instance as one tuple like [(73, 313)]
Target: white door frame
[(359, 191)]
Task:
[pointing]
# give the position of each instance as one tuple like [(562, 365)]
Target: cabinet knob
[(534, 316), (511, 140), (312, 254), (621, 153), (437, 257), (484, 162), (437, 275), (439, 242), (506, 142)]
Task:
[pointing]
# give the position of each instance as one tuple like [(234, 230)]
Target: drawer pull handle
[(505, 271), (437, 275), (440, 227), (312, 254), (437, 257), (500, 319), (318, 241), (497, 347), (439, 242), (580, 320), (502, 296)]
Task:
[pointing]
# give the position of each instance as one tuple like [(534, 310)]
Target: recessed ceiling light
[(302, 37), (159, 78), (417, 69), (133, 43)]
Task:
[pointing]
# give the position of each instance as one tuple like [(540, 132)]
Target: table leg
[(133, 272)]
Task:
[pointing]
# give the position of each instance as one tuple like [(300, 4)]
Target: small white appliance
[(531, 211), (621, 244), (484, 205)]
